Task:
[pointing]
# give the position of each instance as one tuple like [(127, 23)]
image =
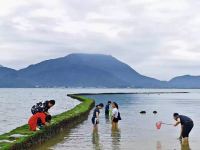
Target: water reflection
[(95, 141), (183, 146), (107, 118), (116, 137), (158, 145)]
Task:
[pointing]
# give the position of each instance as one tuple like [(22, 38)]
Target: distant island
[(87, 70)]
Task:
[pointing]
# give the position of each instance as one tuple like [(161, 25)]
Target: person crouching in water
[(38, 120), (186, 126), (115, 115), (95, 117)]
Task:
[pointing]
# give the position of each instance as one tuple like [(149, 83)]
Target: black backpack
[(119, 116), (39, 107)]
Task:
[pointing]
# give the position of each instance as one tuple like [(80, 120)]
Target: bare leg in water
[(185, 144), (114, 125), (95, 128)]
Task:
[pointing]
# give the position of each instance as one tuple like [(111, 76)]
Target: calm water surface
[(136, 131)]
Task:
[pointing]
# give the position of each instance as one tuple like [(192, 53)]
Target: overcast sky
[(158, 38)]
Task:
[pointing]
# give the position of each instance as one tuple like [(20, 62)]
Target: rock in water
[(143, 112), (155, 112)]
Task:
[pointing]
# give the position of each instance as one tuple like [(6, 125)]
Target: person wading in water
[(186, 127), (115, 115), (95, 117)]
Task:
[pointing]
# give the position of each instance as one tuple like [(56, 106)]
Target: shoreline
[(110, 93), (22, 138)]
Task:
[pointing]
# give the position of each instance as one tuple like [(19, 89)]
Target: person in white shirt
[(115, 114)]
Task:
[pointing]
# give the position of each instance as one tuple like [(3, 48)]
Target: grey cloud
[(144, 34)]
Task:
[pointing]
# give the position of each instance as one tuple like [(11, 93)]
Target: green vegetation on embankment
[(21, 138)]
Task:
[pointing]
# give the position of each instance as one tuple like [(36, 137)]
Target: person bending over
[(43, 107), (39, 120), (186, 126)]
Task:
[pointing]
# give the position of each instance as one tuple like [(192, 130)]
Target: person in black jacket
[(107, 108), (95, 117), (186, 126), (43, 107)]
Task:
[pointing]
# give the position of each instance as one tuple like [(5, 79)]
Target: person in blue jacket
[(107, 108)]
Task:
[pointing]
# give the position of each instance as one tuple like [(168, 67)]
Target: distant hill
[(186, 81), (82, 70), (6, 71), (9, 78)]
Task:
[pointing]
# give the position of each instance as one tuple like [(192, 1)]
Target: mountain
[(186, 81), (4, 71), (78, 70), (87, 70), (9, 79)]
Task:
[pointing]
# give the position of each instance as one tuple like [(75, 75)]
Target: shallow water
[(136, 131)]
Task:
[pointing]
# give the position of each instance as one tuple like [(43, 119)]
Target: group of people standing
[(111, 111), (41, 117)]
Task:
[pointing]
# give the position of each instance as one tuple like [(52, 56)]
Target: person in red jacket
[(37, 120)]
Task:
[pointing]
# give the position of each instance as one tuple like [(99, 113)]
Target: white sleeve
[(114, 112)]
